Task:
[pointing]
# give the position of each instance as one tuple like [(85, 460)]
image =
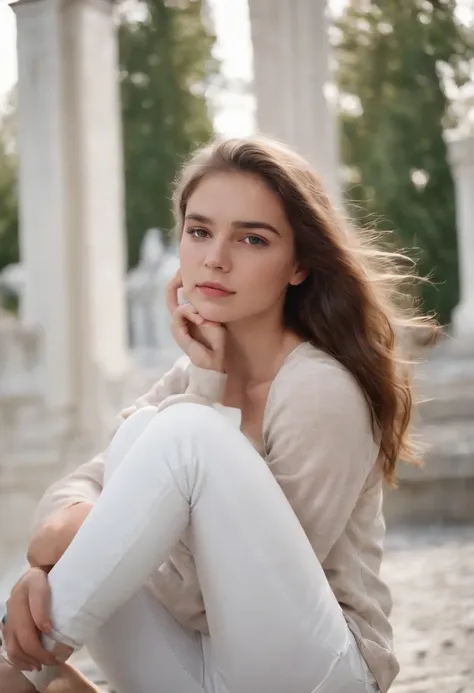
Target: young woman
[(230, 538)]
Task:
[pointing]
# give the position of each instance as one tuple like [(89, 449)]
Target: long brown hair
[(350, 305)]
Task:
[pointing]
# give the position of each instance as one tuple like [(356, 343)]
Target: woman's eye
[(255, 240), (197, 232)]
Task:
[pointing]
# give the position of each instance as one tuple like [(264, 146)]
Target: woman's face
[(236, 237)]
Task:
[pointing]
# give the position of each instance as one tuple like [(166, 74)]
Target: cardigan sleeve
[(182, 382), (320, 447)]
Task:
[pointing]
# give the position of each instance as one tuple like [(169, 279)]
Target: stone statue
[(149, 322)]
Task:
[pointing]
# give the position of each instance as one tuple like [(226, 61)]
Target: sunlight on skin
[(71, 681)]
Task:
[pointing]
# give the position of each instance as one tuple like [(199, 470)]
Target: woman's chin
[(211, 312), (215, 316)]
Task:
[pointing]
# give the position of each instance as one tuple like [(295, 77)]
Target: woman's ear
[(299, 276)]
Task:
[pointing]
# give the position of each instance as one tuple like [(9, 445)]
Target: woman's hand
[(27, 618), (53, 538), (28, 606), (202, 340)]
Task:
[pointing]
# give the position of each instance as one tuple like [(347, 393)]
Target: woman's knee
[(189, 422), (192, 416), (181, 419), (126, 435), (185, 429)]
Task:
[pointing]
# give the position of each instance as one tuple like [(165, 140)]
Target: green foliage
[(166, 64), (8, 205), (391, 58)]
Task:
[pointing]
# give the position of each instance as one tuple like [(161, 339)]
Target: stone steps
[(443, 489)]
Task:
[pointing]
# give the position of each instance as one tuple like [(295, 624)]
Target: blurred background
[(100, 103)]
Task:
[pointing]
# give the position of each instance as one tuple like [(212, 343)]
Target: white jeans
[(275, 625)]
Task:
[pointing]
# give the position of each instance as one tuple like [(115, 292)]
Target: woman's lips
[(214, 292)]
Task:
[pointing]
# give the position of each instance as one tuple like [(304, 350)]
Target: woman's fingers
[(29, 644), (182, 317), (185, 314), (24, 647), (39, 603), (22, 637), (202, 340), (172, 292)]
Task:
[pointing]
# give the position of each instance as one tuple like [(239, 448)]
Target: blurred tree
[(8, 193), (395, 60), (166, 65)]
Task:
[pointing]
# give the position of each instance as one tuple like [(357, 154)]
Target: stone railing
[(19, 359), (19, 375)]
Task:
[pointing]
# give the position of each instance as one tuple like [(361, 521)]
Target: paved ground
[(431, 572)]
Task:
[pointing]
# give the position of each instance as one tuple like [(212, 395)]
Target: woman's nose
[(218, 258)]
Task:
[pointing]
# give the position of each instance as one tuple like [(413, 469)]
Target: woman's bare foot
[(70, 680), (12, 680)]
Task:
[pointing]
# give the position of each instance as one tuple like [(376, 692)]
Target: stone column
[(461, 154), (71, 199), (292, 79), (43, 194)]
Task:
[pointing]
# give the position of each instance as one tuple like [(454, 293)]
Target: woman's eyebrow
[(199, 217), (202, 219), (255, 225)]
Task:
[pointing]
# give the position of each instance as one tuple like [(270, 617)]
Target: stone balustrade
[(20, 362)]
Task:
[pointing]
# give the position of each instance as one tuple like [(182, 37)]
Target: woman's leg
[(116, 453), (275, 624), (142, 649), (161, 649)]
